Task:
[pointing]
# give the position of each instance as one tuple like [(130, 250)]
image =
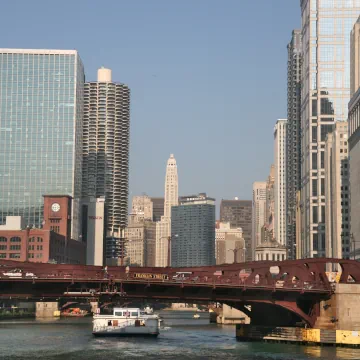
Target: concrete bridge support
[(47, 310), (230, 315)]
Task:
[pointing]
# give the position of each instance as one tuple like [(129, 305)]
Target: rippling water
[(185, 338)]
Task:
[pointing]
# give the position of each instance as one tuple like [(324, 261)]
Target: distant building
[(140, 237), (354, 140), (293, 137), (158, 208), (226, 241), (280, 180), (239, 214), (163, 227), (337, 204), (41, 106), (52, 243), (142, 206), (105, 172), (193, 231), (270, 250), (258, 213), (267, 231), (93, 233)]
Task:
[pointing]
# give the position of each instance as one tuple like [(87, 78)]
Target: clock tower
[(57, 214)]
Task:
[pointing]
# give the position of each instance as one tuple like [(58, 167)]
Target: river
[(183, 338)]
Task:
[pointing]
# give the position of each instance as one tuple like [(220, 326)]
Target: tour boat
[(125, 322)]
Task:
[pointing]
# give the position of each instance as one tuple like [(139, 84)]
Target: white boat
[(125, 322), (196, 316)]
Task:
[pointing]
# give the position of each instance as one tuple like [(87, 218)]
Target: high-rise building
[(354, 141), (158, 208), (41, 113), (337, 193), (268, 229), (239, 214), (325, 93), (142, 206), (106, 154), (280, 180), (229, 244), (293, 138), (193, 231), (140, 242), (258, 213), (163, 227)]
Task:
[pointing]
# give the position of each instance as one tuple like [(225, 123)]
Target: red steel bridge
[(269, 292)]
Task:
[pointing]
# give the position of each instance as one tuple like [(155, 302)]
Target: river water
[(183, 338)]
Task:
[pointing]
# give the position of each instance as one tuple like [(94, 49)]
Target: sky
[(207, 79)]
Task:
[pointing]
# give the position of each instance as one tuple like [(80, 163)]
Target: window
[(15, 239), (322, 187), (3, 239), (314, 134), (15, 256), (2, 256), (118, 313), (134, 313), (315, 214), (322, 159), (314, 161), (32, 239), (324, 130), (39, 239), (326, 107), (314, 108), (15, 247), (3, 247), (314, 187), (315, 242)]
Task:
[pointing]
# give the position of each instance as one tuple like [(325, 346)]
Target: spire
[(171, 186)]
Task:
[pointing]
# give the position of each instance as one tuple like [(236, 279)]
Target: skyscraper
[(239, 214), (337, 193), (158, 208), (354, 139), (193, 231), (258, 213), (41, 113), (293, 138), (106, 153), (142, 207), (280, 180), (163, 227), (325, 93)]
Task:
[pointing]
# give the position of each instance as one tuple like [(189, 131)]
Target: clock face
[(55, 207)]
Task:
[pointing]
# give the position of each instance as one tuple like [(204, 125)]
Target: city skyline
[(188, 60)]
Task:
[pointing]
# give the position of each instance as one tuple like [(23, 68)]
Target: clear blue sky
[(208, 79)]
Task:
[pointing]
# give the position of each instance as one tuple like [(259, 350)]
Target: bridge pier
[(47, 310), (230, 316)]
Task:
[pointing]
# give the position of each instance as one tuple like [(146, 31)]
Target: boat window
[(134, 313), (142, 313), (118, 313)]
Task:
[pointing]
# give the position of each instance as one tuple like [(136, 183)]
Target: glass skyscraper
[(326, 27), (41, 106)]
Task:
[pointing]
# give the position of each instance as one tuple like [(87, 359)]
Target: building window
[(39, 247), (3, 247), (3, 239), (55, 229), (39, 239), (15, 239), (15, 256), (2, 255), (32, 239), (15, 247)]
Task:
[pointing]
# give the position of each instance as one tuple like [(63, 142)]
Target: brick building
[(51, 243)]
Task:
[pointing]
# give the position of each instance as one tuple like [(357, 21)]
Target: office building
[(229, 244), (354, 142), (270, 250), (163, 227), (258, 213), (193, 231), (239, 214), (52, 243), (41, 112), (158, 208), (280, 180), (142, 206), (140, 242), (337, 202), (325, 93), (93, 230), (267, 232), (106, 155), (293, 138)]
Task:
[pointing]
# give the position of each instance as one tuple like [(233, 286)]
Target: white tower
[(171, 186), (163, 227)]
